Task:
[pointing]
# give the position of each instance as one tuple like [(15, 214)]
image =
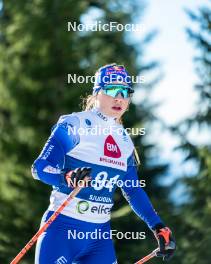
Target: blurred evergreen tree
[(37, 52), (194, 234)]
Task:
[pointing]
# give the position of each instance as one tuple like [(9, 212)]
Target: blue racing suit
[(87, 139)]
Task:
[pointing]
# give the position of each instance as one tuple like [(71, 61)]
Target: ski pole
[(148, 257), (46, 225)]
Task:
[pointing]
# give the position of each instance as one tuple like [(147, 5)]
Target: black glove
[(77, 177), (166, 242)]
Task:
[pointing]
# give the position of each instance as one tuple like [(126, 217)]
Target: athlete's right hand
[(78, 177)]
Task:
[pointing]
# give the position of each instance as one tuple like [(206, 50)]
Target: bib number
[(102, 181)]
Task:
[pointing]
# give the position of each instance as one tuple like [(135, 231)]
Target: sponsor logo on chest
[(112, 151), (111, 148)]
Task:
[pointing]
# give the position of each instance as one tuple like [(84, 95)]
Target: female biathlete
[(74, 152)]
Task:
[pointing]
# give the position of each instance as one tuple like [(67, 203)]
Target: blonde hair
[(88, 102)]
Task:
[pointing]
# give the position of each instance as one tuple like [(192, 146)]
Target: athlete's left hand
[(78, 177), (166, 242)]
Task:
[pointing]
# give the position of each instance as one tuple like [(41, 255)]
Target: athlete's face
[(110, 106)]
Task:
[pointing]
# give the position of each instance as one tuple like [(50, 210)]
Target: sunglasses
[(114, 90)]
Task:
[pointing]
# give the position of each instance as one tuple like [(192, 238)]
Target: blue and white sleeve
[(50, 163), (137, 198)]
